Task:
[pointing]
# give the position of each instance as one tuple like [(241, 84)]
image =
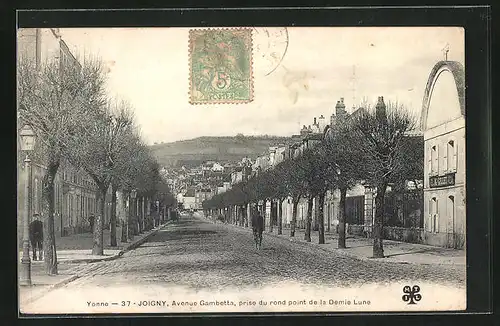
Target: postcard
[(241, 169)]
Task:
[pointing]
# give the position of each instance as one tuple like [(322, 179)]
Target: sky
[(149, 67)]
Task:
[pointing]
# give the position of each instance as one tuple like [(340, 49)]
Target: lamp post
[(27, 144)]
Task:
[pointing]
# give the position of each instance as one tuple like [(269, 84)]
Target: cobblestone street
[(202, 256)]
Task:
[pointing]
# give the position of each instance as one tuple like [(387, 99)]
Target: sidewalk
[(75, 249), (361, 248)]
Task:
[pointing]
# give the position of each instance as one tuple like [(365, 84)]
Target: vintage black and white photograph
[(241, 169)]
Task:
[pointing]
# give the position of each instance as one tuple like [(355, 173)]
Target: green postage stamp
[(220, 66)]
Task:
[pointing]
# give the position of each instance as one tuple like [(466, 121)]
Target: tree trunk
[(328, 218), (49, 244), (112, 228), (124, 230), (378, 225), (294, 216), (307, 234), (144, 212), (98, 241), (280, 216), (343, 193), (321, 218), (136, 217), (315, 224), (263, 210), (124, 221), (245, 215), (271, 217), (139, 215), (130, 220)]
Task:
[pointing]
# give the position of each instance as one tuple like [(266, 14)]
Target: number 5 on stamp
[(220, 66)]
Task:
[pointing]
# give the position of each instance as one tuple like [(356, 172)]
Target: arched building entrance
[(443, 124)]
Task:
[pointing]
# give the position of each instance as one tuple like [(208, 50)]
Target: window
[(77, 207), (56, 198), (69, 207), (434, 160), (82, 206)]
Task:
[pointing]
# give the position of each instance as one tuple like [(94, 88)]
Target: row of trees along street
[(76, 121), (370, 147)]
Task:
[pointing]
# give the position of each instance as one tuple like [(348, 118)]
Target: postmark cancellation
[(220, 66)]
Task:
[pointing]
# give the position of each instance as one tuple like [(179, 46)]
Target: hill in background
[(195, 151)]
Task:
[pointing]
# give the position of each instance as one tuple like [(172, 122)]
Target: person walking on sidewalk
[(258, 228)]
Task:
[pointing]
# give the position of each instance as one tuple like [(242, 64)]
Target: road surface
[(194, 258)]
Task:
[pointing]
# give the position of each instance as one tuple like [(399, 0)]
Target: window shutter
[(445, 157), (431, 212), (437, 215), (437, 159), (455, 157)]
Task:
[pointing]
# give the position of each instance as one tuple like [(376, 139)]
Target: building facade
[(74, 190), (201, 195), (443, 123)]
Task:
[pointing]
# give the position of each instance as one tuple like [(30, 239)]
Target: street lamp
[(27, 144)]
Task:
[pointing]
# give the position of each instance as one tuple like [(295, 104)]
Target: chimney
[(340, 107), (321, 123), (380, 108), (303, 131), (314, 121)]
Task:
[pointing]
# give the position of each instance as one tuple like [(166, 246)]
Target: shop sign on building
[(442, 180)]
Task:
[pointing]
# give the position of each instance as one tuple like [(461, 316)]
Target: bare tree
[(341, 150), (97, 153), (326, 178), (131, 158), (295, 186), (382, 133), (308, 167), (49, 99), (282, 188)]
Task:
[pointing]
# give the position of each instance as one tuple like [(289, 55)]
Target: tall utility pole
[(353, 87)]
